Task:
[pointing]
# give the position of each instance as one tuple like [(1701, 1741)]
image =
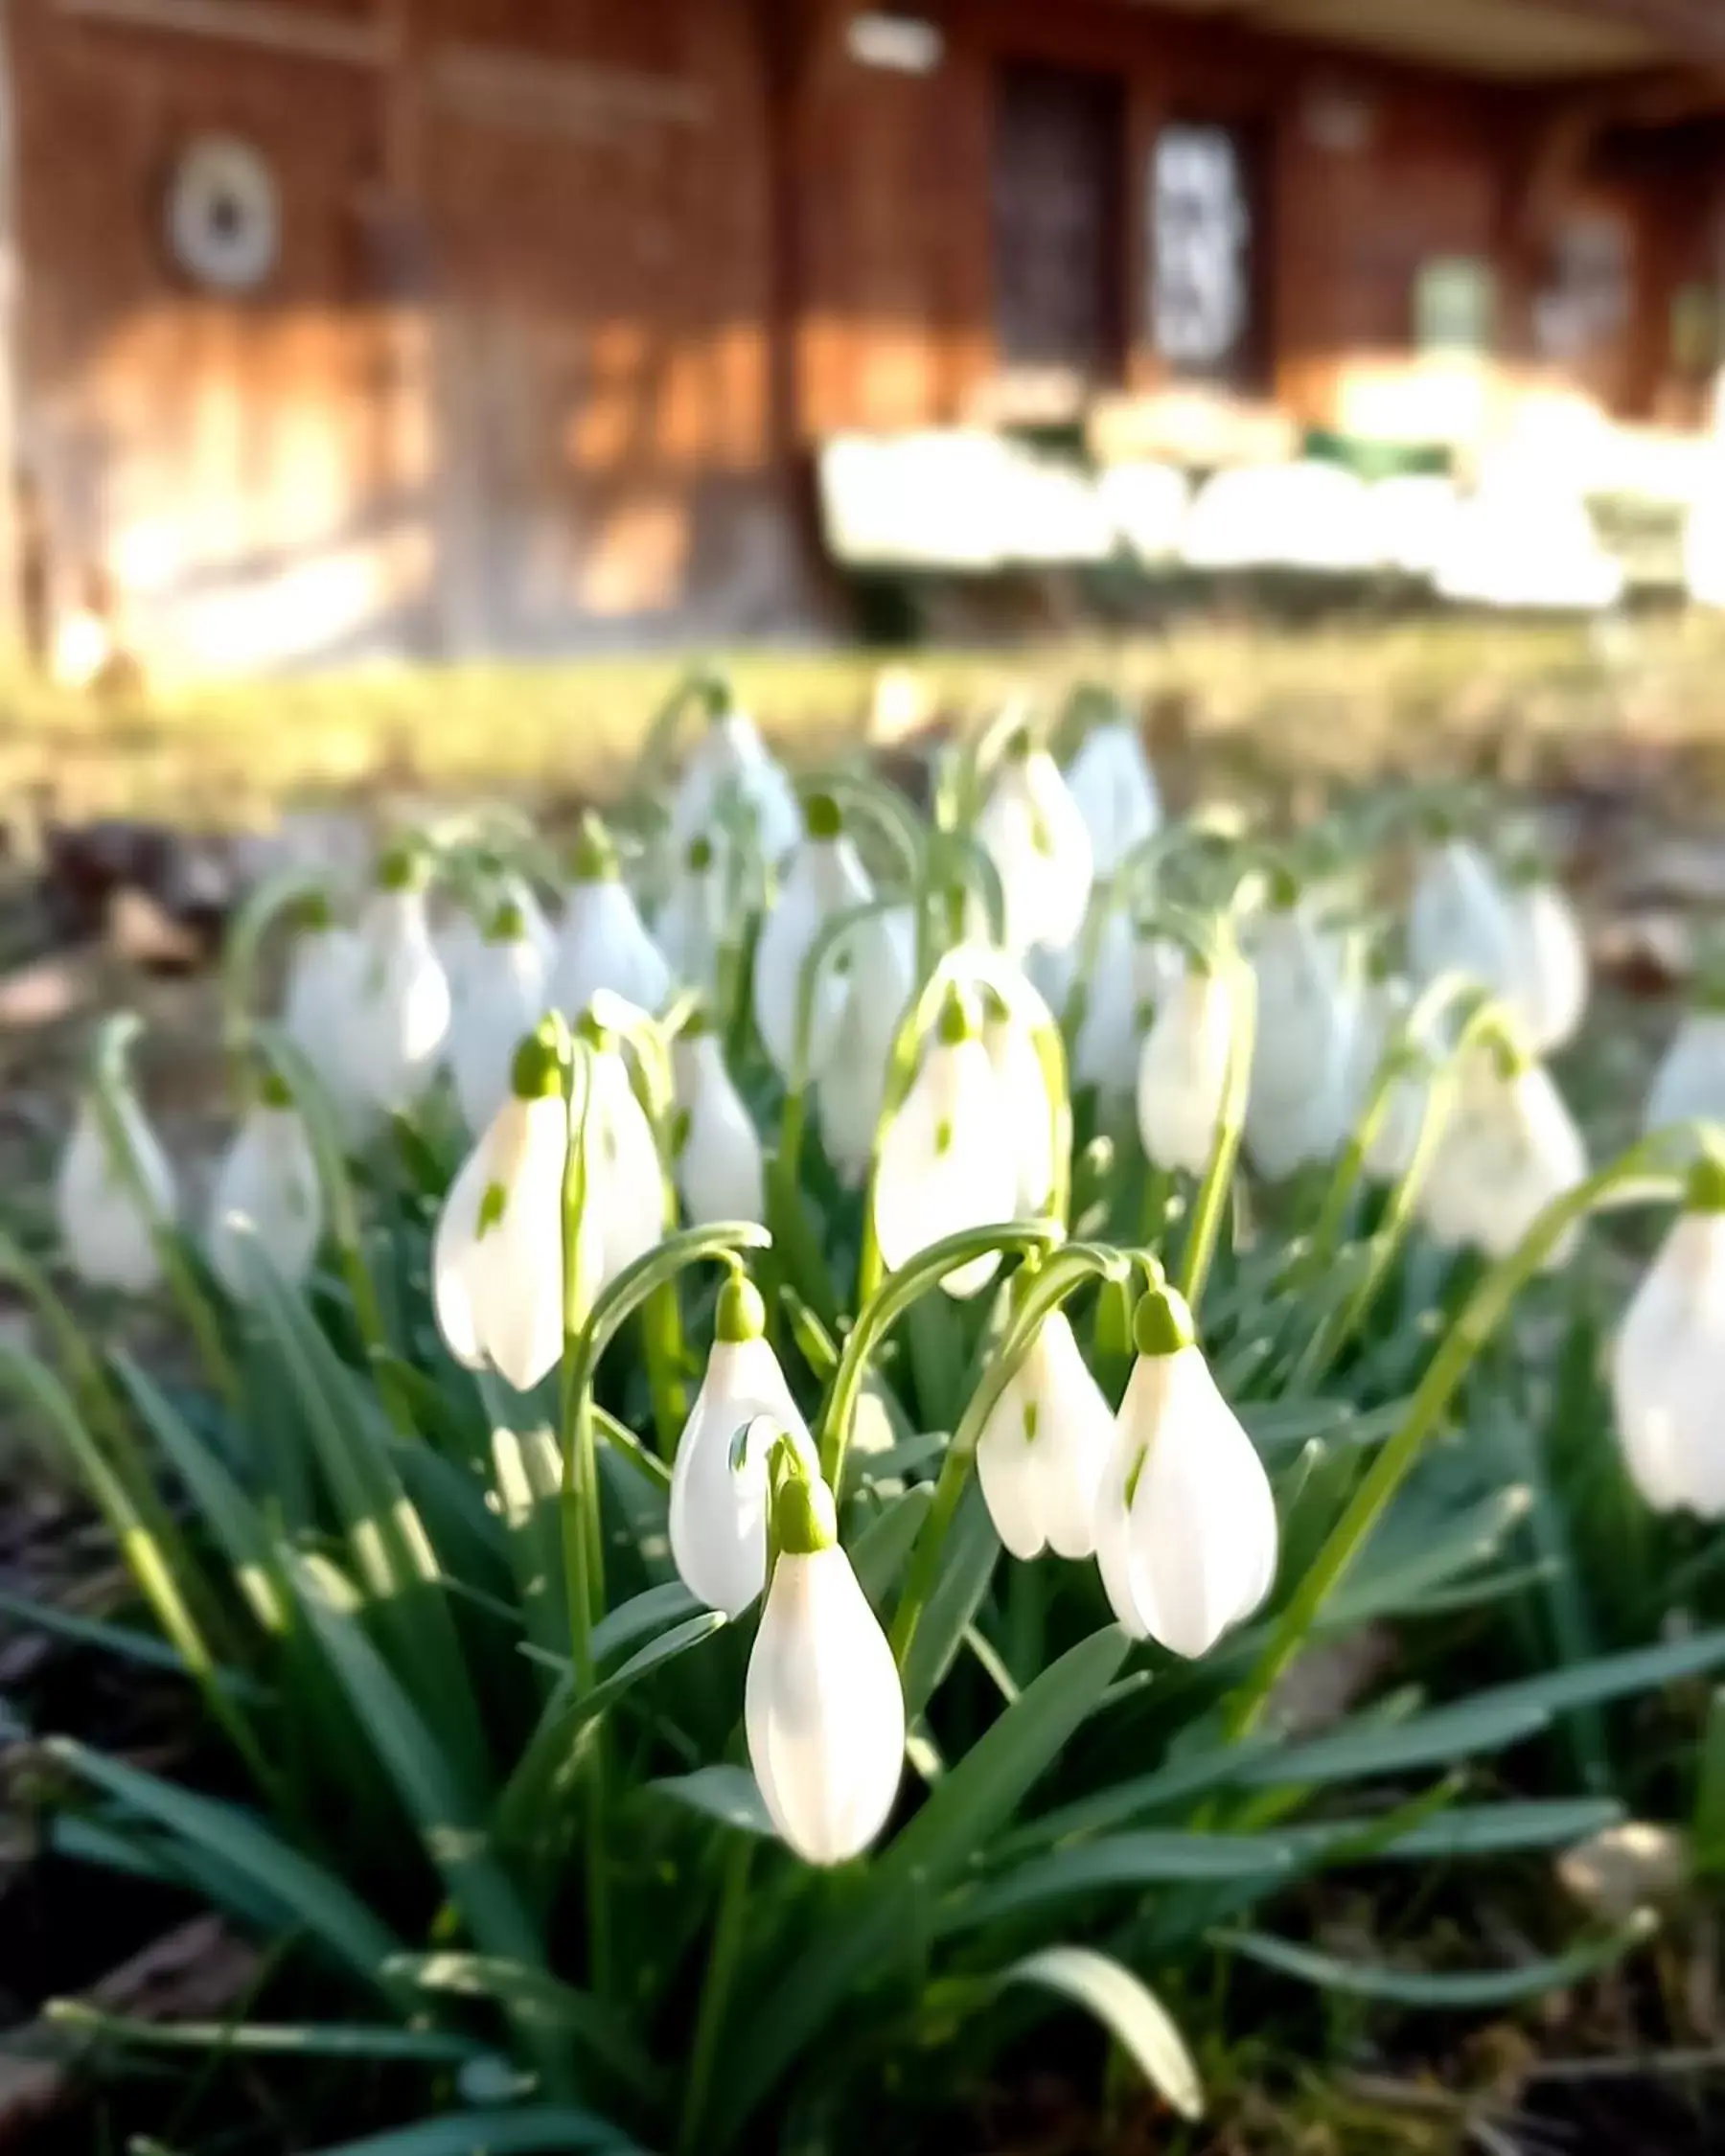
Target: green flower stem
[(884, 1308), (1402, 1058), (246, 942), (1322, 1348), (729, 1927), (107, 1091), (886, 808), (342, 1211), (1637, 1175), (1045, 1289), (1216, 1188)]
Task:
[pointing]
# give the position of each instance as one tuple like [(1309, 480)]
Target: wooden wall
[(570, 290)]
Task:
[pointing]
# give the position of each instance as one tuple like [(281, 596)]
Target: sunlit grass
[(1344, 697)]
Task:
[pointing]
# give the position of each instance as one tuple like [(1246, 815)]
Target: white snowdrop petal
[(497, 1253), (266, 1194), (1668, 1372), (108, 1236), (603, 943), (1182, 1074), (1115, 790), (718, 1516), (947, 1163), (505, 1000), (1458, 920), (823, 1710), (719, 1168), (1008, 1470), (823, 877), (1690, 1083), (397, 1004)]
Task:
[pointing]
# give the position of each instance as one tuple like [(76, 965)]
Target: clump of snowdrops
[(785, 1399)]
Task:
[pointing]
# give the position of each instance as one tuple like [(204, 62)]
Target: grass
[(1342, 697)]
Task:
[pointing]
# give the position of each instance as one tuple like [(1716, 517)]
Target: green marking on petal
[(943, 1137), (491, 1209), (680, 1130), (1030, 1419), (1132, 1480)]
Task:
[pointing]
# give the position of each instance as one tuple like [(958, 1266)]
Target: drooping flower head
[(267, 1199), (824, 1710), (504, 999), (1032, 829), (1667, 1367), (1185, 1526), (718, 1493), (822, 877), (110, 1209), (717, 1153), (497, 1254), (948, 1160), (398, 1007), (601, 942)]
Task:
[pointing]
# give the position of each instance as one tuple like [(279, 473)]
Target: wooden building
[(450, 327)]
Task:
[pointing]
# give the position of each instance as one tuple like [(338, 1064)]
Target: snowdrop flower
[(324, 966), (497, 1256), (462, 942), (1298, 1108), (267, 1199), (398, 1009), (1385, 1004), (626, 1198), (1667, 1371), (1509, 1148), (1689, 1084), (822, 1708), (823, 877), (1459, 920), (691, 921), (718, 1485), (602, 941), (107, 1223), (1021, 1090), (1549, 962), (1044, 1447), (879, 960), (1182, 1071), (1033, 828), (947, 1161), (504, 999), (717, 1163), (1115, 789), (732, 765), (1185, 1526), (1105, 1053)]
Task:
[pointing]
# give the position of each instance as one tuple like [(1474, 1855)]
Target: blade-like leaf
[(232, 1518), (534, 1994), (967, 1565), (1127, 2008), (536, 2127), (1488, 1722), (1120, 1864), (305, 1894), (446, 1813), (303, 2039), (1453, 1990), (729, 1795)]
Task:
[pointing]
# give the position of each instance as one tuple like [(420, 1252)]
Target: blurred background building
[(452, 327)]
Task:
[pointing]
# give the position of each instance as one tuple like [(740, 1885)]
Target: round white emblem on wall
[(224, 218)]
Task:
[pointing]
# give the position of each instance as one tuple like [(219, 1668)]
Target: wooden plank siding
[(569, 294)]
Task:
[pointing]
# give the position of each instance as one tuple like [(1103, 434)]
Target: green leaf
[(122, 1639), (163, 1569), (1364, 1746), (549, 2127), (1614, 1676), (307, 1895), (533, 1995), (1477, 1830), (1127, 2008), (392, 1556), (444, 1811), (881, 1548), (652, 1611), (968, 1562), (232, 1518), (729, 1795), (303, 2039), (1710, 1791), (1452, 1990), (1120, 1863), (552, 1755)]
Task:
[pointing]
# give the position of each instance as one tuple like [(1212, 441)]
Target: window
[(1201, 241)]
